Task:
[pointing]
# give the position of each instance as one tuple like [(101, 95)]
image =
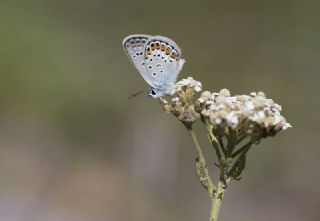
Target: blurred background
[(73, 147)]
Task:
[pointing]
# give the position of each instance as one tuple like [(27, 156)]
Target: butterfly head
[(154, 93)]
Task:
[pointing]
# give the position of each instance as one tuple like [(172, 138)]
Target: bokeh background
[(73, 147)]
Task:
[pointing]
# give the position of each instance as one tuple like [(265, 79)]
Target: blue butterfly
[(158, 60)]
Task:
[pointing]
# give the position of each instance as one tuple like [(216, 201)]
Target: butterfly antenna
[(132, 95)]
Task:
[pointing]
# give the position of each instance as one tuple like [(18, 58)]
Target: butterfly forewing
[(134, 46)]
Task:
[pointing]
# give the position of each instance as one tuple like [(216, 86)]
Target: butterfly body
[(158, 60)]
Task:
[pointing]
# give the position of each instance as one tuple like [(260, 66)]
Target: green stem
[(214, 142), (242, 149), (221, 145), (232, 137), (216, 193), (203, 165), (216, 201)]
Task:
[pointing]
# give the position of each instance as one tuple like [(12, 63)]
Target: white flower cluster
[(248, 115), (186, 83), (244, 112)]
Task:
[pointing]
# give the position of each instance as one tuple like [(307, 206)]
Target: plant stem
[(216, 201), (203, 165), (214, 142), (244, 149), (216, 193)]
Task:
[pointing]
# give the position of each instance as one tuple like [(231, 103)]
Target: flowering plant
[(234, 125)]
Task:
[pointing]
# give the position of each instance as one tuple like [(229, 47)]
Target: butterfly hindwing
[(163, 62)]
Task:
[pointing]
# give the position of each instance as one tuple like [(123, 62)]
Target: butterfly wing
[(134, 46), (158, 60), (162, 63)]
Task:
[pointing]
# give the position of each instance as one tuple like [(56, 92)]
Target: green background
[(73, 147)]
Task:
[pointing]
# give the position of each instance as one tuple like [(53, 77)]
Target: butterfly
[(158, 60)]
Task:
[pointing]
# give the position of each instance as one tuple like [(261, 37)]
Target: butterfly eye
[(152, 92)]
